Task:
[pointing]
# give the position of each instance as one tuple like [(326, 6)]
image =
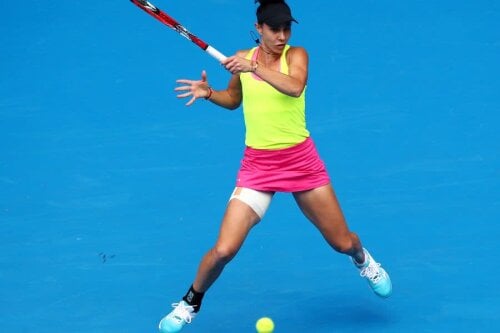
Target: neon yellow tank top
[(273, 120)]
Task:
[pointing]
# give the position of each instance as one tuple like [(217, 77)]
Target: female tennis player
[(280, 156)]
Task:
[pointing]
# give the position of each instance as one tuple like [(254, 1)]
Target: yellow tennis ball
[(265, 325)]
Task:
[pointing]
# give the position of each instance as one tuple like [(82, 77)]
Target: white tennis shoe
[(377, 277), (181, 315)]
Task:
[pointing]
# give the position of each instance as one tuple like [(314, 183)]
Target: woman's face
[(274, 39)]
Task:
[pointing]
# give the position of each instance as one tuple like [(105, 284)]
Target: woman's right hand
[(195, 89)]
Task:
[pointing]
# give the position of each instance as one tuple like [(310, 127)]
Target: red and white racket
[(163, 17)]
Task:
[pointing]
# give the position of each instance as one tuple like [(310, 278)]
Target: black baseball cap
[(275, 15)]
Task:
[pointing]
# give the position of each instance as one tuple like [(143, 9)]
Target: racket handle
[(215, 53)]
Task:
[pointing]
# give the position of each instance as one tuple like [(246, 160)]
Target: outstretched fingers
[(191, 101), (194, 88), (184, 91), (188, 88), (186, 82)]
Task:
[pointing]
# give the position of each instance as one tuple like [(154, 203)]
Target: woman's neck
[(267, 57)]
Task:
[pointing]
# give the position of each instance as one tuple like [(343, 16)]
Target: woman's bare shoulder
[(297, 50), (243, 53)]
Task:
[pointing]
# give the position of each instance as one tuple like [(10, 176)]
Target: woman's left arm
[(292, 84)]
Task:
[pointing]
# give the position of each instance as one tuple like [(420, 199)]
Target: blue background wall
[(111, 190)]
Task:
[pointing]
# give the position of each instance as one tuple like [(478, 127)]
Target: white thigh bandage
[(258, 200)]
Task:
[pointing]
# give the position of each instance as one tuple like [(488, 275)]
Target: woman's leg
[(321, 207), (238, 219)]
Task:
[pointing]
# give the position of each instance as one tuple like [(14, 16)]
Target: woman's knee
[(223, 254), (346, 244)]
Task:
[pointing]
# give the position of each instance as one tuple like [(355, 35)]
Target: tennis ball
[(265, 325)]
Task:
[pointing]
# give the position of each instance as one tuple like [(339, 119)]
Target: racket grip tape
[(215, 53)]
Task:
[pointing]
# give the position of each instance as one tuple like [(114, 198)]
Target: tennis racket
[(166, 19)]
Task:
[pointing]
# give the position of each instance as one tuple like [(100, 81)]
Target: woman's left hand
[(193, 88)]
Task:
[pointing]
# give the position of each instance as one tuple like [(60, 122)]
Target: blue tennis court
[(111, 189)]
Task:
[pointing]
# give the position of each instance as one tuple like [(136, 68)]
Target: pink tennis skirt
[(293, 169)]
